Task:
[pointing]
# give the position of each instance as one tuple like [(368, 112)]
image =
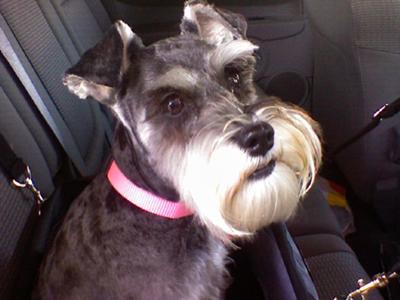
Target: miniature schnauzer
[(199, 160)]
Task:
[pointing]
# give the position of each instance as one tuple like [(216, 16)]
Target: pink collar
[(144, 199)]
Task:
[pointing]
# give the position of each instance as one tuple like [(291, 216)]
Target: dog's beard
[(215, 176)]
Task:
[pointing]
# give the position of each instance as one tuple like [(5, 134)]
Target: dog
[(198, 162)]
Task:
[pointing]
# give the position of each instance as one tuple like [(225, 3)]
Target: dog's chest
[(107, 247)]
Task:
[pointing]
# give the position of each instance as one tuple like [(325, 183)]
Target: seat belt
[(63, 136), (18, 172), (278, 265)]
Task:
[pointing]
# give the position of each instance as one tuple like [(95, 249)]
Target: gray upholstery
[(317, 244), (376, 25), (50, 62), (333, 266), (356, 71), (16, 209), (81, 24), (314, 216), (19, 125), (46, 43), (47, 50), (334, 274)]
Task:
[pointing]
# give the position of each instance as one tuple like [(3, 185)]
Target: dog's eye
[(174, 104), (232, 76)]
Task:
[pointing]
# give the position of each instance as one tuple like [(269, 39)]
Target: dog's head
[(189, 102)]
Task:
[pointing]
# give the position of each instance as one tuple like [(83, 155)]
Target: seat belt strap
[(63, 137), (13, 166), (18, 172)]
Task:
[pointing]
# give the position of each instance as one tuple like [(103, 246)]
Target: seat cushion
[(314, 216)]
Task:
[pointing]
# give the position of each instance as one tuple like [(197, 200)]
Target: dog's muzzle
[(255, 173)]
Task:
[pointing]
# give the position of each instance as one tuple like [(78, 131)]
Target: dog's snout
[(257, 139)]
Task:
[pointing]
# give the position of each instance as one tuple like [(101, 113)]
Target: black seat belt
[(8, 46), (385, 112), (18, 172), (20, 203)]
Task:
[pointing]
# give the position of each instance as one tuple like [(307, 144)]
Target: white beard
[(213, 179)]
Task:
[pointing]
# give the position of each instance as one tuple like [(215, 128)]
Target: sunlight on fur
[(215, 174)]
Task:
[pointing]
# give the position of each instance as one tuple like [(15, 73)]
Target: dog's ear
[(216, 26), (100, 69)]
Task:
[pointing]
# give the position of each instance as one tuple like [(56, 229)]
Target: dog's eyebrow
[(228, 52), (178, 77)]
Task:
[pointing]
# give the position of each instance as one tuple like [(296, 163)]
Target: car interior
[(338, 60)]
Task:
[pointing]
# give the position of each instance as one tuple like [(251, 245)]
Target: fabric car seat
[(356, 70)]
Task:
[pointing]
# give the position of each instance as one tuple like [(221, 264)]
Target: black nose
[(256, 138)]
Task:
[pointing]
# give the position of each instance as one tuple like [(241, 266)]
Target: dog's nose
[(257, 139)]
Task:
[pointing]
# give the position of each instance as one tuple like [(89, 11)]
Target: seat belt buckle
[(28, 183), (379, 281)]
